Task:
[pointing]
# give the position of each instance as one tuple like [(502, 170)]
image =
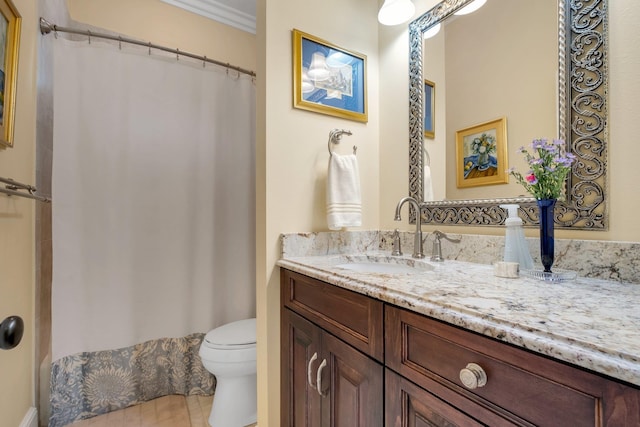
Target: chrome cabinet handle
[(473, 376), (319, 377), (309, 376)]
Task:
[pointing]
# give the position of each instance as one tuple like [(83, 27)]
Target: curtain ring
[(119, 42), (177, 54), (89, 36), (204, 61), (149, 48)]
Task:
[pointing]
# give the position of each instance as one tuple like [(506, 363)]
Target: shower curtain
[(153, 222)]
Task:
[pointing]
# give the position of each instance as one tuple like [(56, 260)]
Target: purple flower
[(538, 143), (549, 168)]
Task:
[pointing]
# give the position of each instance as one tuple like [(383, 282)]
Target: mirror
[(578, 112)]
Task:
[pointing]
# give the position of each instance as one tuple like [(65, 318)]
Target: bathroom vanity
[(452, 345)]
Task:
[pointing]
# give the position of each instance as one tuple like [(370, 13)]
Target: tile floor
[(167, 411)]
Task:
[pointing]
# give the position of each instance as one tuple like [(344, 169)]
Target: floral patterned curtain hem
[(87, 384)]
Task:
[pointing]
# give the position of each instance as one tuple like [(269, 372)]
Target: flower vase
[(545, 216), (483, 161)]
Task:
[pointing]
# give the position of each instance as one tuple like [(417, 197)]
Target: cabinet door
[(352, 385), (300, 358), (408, 405)]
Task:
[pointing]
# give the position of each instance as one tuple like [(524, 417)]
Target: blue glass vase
[(545, 216)]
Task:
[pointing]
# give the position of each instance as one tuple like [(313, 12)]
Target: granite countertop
[(590, 323)]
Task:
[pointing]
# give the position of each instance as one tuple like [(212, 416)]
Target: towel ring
[(334, 137)]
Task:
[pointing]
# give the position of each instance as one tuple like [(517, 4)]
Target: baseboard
[(30, 419)]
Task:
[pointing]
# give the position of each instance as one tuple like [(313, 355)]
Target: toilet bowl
[(229, 353)]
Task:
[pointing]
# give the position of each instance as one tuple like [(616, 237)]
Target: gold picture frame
[(429, 109), (10, 21), (328, 79), (481, 154)]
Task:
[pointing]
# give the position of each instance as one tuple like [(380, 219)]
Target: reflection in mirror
[(539, 64), (482, 74)]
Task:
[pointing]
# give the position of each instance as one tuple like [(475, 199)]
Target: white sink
[(385, 266)]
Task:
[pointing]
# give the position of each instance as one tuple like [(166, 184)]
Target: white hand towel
[(428, 185), (344, 203)]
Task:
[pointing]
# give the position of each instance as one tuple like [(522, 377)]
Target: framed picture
[(328, 79), (9, 43), (481, 154), (429, 109)]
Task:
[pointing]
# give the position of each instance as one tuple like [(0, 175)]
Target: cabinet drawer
[(521, 387), (352, 317)]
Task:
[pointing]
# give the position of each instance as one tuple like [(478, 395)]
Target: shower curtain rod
[(46, 27), (12, 187)]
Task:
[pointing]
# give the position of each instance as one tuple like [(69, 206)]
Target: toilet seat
[(232, 336)]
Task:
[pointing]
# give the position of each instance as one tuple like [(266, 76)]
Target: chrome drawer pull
[(309, 376), (319, 378), (473, 376)]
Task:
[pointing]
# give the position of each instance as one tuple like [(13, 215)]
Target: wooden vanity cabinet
[(420, 383), (506, 385), (332, 349)]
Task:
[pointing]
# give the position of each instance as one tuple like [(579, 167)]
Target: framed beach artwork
[(9, 43), (328, 79), (429, 109), (481, 154)]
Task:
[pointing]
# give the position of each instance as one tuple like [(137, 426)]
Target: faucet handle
[(397, 251), (436, 252), (440, 235)]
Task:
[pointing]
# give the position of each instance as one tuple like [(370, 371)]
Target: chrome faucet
[(436, 252), (418, 251)]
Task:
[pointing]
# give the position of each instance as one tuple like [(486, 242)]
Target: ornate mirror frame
[(582, 122)]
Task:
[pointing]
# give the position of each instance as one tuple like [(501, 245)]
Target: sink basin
[(385, 266)]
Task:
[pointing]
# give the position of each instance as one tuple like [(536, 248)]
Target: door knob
[(11, 331)]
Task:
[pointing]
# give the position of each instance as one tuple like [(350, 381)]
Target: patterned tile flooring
[(167, 411)]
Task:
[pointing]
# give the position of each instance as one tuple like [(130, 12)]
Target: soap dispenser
[(515, 245)]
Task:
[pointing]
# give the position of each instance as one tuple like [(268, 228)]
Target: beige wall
[(624, 91), (292, 154), (16, 232), (164, 24)]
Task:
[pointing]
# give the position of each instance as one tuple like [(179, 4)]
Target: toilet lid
[(235, 334)]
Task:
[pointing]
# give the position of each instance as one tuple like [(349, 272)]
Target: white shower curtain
[(154, 196)]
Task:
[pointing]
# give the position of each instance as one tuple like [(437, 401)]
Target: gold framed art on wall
[(10, 21), (328, 79)]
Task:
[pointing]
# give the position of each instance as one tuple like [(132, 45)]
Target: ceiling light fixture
[(471, 7), (394, 12)]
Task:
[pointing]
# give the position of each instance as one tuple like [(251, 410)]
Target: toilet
[(229, 353)]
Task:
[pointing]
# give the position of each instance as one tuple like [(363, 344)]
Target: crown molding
[(218, 12)]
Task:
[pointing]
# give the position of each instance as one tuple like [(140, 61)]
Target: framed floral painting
[(9, 42), (481, 154)]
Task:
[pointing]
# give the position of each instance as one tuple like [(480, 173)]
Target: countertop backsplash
[(608, 260)]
